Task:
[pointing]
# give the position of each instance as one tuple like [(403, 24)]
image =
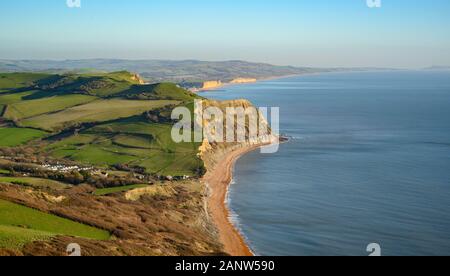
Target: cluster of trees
[(113, 181), (127, 168), (160, 115), (201, 170)]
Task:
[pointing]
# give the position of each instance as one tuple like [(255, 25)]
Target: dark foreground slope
[(170, 221)]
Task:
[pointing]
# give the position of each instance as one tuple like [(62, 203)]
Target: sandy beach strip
[(218, 181)]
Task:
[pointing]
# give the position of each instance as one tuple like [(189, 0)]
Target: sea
[(368, 163)]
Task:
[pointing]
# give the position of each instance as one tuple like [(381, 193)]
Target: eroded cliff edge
[(213, 153), (219, 159)]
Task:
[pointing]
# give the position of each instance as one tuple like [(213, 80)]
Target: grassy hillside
[(168, 91), (19, 225), (115, 106), (101, 85)]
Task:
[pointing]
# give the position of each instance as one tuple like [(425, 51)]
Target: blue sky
[(402, 33)]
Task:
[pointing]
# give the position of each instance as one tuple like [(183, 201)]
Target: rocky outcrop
[(158, 190), (137, 78)]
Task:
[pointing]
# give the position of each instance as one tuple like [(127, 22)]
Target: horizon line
[(229, 60)]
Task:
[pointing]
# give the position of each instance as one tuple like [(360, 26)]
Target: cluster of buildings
[(65, 168)]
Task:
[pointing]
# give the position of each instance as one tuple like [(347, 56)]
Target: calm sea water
[(369, 162)]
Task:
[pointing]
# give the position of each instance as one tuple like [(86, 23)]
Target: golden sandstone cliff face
[(212, 152), (243, 80), (212, 84), (217, 83)]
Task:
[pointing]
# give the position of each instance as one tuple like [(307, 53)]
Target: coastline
[(218, 181), (227, 84)]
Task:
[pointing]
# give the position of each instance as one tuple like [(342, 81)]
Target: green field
[(13, 98), (34, 182), (161, 134), (108, 191), (12, 137), (95, 154), (133, 141), (2, 171), (19, 225), (97, 111), (12, 237), (30, 108)]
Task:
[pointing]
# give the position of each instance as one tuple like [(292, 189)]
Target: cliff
[(137, 78), (211, 84), (208, 85), (212, 153), (243, 80)]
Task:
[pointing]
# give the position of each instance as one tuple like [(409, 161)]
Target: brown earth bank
[(153, 225)]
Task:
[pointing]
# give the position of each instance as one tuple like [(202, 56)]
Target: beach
[(218, 180)]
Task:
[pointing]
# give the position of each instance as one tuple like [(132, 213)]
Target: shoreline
[(218, 181), (227, 84)]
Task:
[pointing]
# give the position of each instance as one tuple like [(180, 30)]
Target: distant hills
[(166, 70), (438, 68)]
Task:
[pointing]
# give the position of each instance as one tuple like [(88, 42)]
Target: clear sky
[(401, 33)]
